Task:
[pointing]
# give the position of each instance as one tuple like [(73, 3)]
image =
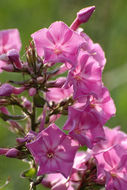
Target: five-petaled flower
[(54, 151)]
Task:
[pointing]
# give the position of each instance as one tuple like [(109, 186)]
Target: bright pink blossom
[(102, 107), (59, 182), (86, 77), (54, 151), (9, 39), (112, 167), (58, 43), (94, 50), (84, 127), (112, 138)]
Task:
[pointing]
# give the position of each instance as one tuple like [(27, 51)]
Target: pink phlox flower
[(102, 106), (94, 50), (112, 166), (53, 149), (58, 181), (86, 77), (112, 138), (9, 39), (58, 43), (84, 126)]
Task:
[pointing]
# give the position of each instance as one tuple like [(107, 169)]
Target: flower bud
[(18, 90), (13, 57), (32, 91), (6, 90), (12, 153), (3, 151), (82, 16)]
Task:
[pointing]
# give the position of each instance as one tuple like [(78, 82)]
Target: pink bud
[(6, 90), (12, 153), (26, 103), (13, 57), (82, 16), (4, 110), (3, 151), (32, 91), (18, 90)]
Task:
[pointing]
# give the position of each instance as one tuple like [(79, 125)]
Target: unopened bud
[(3, 151), (13, 57), (12, 153), (18, 90), (82, 16), (6, 90), (32, 91)]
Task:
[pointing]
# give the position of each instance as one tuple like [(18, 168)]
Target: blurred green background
[(107, 26)]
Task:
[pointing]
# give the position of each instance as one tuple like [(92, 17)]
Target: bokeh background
[(107, 26)]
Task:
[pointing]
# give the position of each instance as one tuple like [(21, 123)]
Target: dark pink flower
[(84, 127), (54, 151), (58, 43), (59, 182)]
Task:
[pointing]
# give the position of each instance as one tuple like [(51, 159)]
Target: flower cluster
[(64, 77)]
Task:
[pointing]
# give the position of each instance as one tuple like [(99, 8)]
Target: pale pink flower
[(112, 167), (58, 43), (54, 151), (112, 138), (9, 39)]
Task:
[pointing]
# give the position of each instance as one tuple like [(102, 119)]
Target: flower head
[(54, 151), (58, 43)]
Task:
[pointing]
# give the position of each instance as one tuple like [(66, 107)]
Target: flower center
[(57, 51), (77, 77), (50, 154)]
